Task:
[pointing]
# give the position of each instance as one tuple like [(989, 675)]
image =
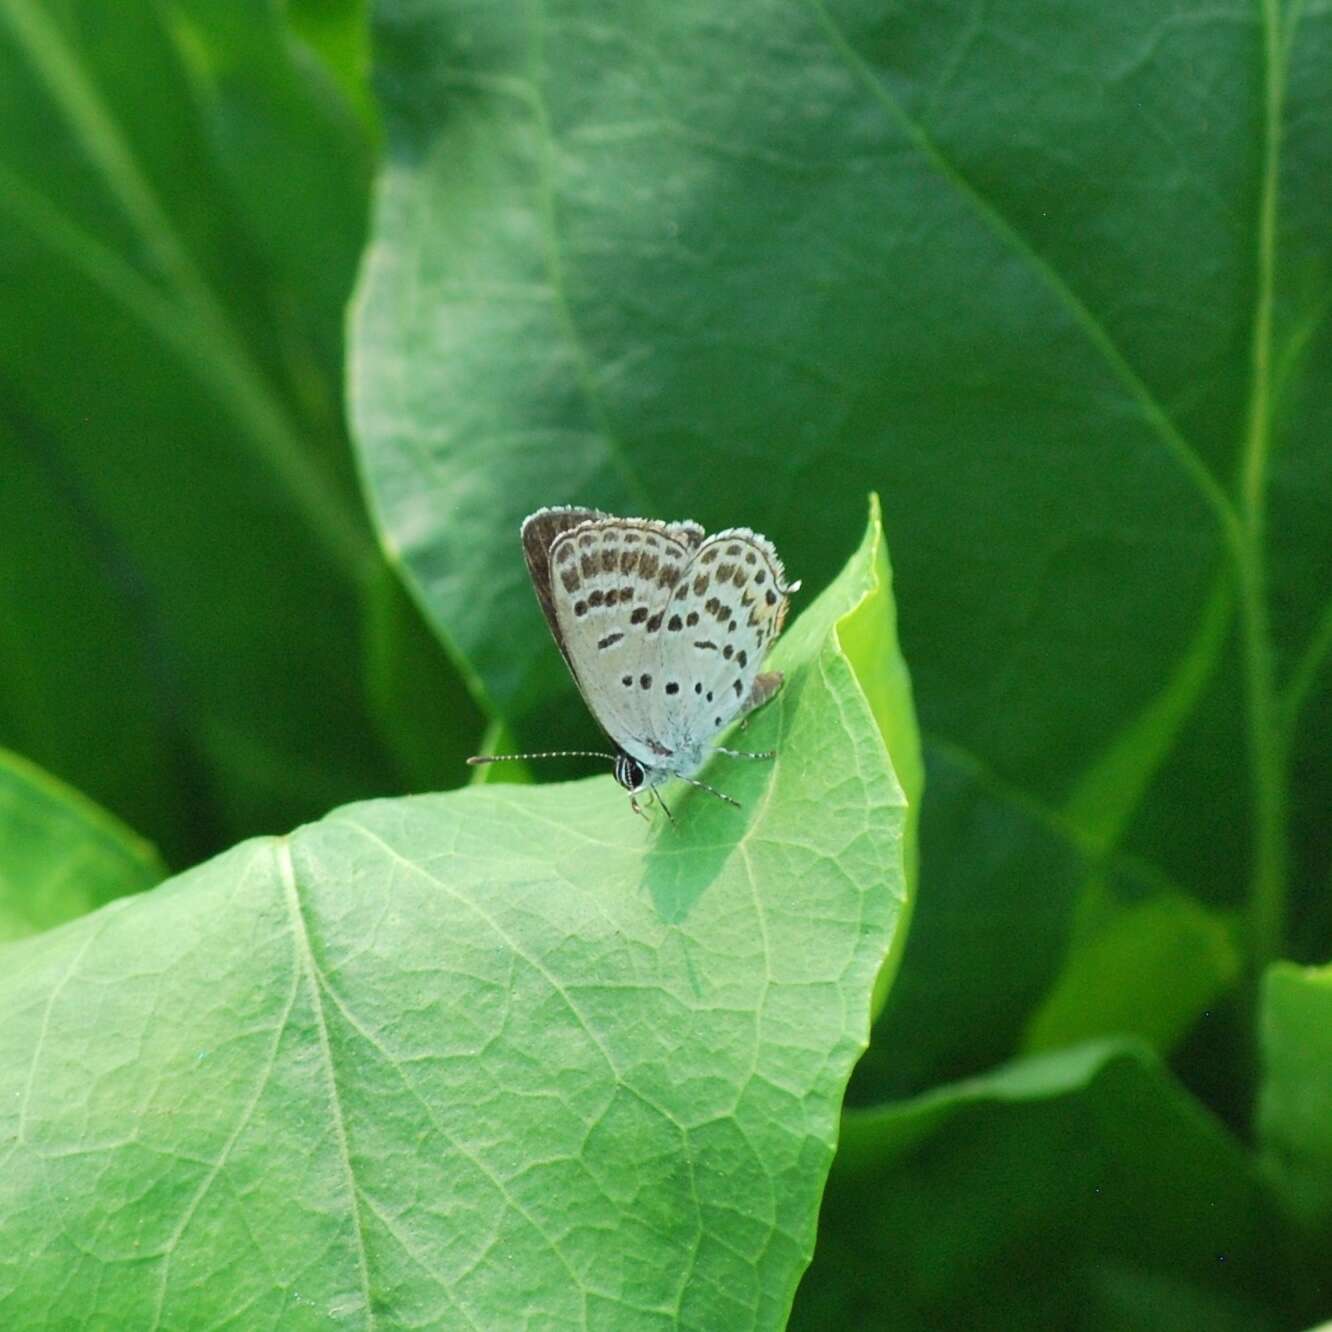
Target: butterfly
[(663, 629)]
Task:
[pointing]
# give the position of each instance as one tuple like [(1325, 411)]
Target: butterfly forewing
[(611, 581), (539, 533)]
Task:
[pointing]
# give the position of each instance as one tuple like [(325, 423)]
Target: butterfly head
[(629, 772)]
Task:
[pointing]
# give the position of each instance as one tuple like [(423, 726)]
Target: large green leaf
[(1295, 1114), (1150, 967), (1053, 282), (506, 1057), (1080, 1189), (339, 31), (192, 605), (860, 610), (60, 855), (995, 913)]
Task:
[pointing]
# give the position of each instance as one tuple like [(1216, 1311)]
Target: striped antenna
[(550, 753)]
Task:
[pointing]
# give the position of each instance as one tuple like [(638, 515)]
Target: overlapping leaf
[(1056, 286), (1296, 1111), (60, 856), (508, 1056), (1081, 1188)]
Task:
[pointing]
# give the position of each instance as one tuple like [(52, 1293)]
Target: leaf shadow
[(686, 858)]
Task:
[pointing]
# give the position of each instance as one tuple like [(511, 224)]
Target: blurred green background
[(1054, 280), (200, 630)]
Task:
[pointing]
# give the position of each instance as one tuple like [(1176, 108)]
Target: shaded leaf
[(1148, 968), (60, 856), (1082, 1188), (182, 200), (988, 932), (1055, 285), (339, 31)]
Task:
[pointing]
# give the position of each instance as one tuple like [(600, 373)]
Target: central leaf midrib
[(1176, 444), (1267, 749), (305, 962)]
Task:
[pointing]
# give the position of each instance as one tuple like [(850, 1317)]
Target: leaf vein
[(477, 1161), (242, 1121), (306, 960), (500, 933), (1093, 328)]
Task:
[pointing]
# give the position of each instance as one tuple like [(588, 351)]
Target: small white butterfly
[(664, 631)]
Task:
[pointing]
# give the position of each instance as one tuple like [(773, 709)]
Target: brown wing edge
[(539, 532)]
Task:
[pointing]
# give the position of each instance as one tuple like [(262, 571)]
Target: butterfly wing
[(723, 616), (539, 532), (610, 583)]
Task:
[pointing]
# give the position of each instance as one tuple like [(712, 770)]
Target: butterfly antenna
[(550, 753), (712, 790), (746, 753)]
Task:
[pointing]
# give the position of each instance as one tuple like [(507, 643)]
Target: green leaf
[(867, 633), (1149, 968), (60, 855), (988, 935), (1043, 938), (501, 1057), (185, 559), (859, 610), (339, 31), (1082, 1188), (1295, 1111), (1029, 275)]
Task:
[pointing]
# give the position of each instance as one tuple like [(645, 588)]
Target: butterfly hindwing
[(721, 622)]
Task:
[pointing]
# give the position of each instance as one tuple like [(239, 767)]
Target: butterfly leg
[(712, 790), (653, 795)]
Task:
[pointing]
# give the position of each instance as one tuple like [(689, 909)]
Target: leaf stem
[(1267, 754), (1267, 746)]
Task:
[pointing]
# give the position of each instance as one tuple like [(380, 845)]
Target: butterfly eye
[(629, 772)]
